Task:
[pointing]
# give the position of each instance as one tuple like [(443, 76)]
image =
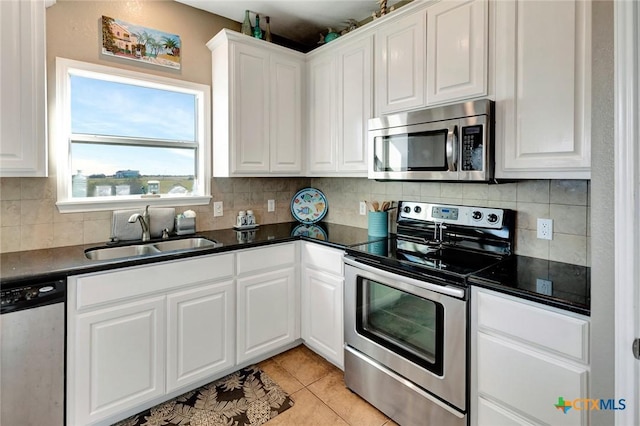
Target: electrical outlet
[(545, 229), (218, 209), (363, 208), (544, 286), (271, 205)]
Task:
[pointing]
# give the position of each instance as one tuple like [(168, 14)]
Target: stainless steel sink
[(149, 249), (184, 244)]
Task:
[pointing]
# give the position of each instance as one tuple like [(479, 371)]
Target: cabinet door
[(117, 361), (400, 64), (266, 313), (250, 99), (23, 122), (322, 314), (286, 114), (542, 83), (490, 414), (529, 381), (457, 50), (201, 330), (355, 106), (322, 114)]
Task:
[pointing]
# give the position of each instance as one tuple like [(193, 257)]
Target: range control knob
[(407, 209), (476, 215), (417, 209), (492, 218)]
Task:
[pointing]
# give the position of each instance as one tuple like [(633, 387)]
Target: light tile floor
[(317, 388)]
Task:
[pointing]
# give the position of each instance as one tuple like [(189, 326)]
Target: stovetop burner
[(442, 242)]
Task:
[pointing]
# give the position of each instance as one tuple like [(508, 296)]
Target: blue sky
[(115, 109)]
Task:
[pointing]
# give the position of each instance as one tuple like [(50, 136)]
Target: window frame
[(61, 129)]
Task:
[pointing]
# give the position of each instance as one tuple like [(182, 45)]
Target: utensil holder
[(378, 225)]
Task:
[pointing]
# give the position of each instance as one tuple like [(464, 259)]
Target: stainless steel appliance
[(32, 328), (406, 309), (447, 143)]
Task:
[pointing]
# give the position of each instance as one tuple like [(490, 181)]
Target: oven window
[(401, 322), (423, 151)]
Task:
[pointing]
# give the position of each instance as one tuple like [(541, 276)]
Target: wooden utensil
[(376, 206)]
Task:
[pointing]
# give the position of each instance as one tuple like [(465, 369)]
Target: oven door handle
[(442, 289)]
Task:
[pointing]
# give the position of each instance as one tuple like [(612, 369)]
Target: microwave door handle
[(452, 149)]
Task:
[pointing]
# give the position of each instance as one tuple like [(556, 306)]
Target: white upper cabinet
[(432, 54), (23, 96), (355, 104), (322, 114), (542, 89), (340, 85), (257, 107), (457, 43), (400, 64)]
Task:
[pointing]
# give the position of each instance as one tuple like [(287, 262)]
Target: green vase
[(246, 24)]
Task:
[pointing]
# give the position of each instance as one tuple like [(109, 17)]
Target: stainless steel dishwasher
[(32, 341)]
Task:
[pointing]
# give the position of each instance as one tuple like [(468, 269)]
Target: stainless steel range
[(406, 309)]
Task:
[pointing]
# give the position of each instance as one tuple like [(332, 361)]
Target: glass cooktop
[(442, 261)]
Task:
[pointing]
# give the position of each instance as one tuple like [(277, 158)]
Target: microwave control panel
[(472, 148)]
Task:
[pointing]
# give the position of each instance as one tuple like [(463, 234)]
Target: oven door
[(414, 328), (427, 151)]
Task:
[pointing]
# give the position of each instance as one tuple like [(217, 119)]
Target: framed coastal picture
[(137, 43)]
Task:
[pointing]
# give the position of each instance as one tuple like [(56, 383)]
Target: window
[(126, 139)]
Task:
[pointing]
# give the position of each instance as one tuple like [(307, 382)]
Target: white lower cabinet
[(525, 356), (268, 309), (121, 363), (135, 335), (201, 326), (266, 312), (322, 287)]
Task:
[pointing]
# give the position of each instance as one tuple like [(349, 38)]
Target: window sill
[(95, 204)]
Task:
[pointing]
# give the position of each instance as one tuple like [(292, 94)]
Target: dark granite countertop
[(59, 262), (570, 284), (561, 285)]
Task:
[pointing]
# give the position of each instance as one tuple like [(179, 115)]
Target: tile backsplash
[(29, 219), (567, 202)]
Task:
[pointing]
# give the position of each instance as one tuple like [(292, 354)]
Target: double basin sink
[(150, 249)]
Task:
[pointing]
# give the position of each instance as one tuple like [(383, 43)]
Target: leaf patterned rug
[(246, 397)]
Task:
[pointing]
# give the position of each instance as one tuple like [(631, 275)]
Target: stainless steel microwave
[(447, 143)]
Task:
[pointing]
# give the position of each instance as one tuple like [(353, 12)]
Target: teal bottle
[(246, 24), (257, 31)]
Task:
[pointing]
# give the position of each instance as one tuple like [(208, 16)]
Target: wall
[(28, 217), (602, 190), (564, 201)]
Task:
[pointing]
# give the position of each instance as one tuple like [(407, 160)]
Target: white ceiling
[(298, 20)]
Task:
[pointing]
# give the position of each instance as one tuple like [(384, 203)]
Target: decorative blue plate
[(309, 205), (311, 231)]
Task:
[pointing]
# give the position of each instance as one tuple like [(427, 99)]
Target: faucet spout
[(145, 223)]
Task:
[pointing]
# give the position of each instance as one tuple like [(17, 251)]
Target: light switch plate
[(271, 205), (363, 208), (218, 209)]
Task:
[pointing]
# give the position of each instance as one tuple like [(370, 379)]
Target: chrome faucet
[(145, 222)]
